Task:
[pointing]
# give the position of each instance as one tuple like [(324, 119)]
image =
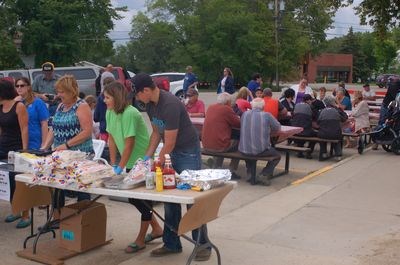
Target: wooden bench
[(317, 140), (287, 149), (240, 156), (365, 138)]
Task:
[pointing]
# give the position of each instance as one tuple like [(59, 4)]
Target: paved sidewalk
[(347, 215)]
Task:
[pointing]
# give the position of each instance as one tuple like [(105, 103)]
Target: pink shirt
[(197, 107), (243, 104)]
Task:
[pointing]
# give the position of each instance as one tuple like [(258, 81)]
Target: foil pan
[(205, 178)]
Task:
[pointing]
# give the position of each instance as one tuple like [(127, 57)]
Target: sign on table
[(4, 186)]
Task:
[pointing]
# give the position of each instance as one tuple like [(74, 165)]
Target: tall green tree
[(9, 56), (152, 43), (66, 31), (382, 15), (385, 53), (351, 45), (240, 34)]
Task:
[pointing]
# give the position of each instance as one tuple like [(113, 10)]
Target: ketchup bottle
[(168, 174), (156, 163)]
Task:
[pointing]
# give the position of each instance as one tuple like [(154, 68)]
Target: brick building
[(329, 68)]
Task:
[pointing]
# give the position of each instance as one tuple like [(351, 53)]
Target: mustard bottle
[(159, 180)]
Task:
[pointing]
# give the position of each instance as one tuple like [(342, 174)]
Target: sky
[(344, 19)]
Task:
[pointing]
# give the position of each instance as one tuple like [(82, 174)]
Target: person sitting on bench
[(255, 132), (329, 122), (218, 124), (302, 117)]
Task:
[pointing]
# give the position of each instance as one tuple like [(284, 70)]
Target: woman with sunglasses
[(37, 112), (14, 133)]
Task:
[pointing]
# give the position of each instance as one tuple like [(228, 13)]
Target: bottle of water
[(149, 181)]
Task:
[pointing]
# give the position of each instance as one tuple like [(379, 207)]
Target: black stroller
[(388, 134)]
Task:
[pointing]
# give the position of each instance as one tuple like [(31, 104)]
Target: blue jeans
[(189, 159)]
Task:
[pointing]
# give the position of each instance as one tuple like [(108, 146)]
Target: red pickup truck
[(122, 76)]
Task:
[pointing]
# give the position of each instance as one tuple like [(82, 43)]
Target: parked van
[(85, 76)]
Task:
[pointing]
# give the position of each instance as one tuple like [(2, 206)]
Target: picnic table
[(377, 102), (278, 137), (205, 207), (374, 108), (372, 115)]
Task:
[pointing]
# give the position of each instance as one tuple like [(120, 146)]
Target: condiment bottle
[(159, 180), (156, 163), (168, 174), (149, 180)]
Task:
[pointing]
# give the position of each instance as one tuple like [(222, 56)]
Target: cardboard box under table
[(83, 226)]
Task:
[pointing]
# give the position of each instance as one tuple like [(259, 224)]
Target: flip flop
[(149, 237), (23, 223), (133, 248)]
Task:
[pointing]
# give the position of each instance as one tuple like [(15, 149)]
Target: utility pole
[(278, 6), (276, 44)]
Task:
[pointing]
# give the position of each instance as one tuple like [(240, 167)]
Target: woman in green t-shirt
[(128, 135)]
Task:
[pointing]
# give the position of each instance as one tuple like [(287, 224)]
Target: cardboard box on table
[(83, 226)]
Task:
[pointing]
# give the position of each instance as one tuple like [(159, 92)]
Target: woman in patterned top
[(72, 123)]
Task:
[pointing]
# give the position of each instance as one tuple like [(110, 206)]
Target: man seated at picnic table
[(273, 105), (194, 106), (217, 131), (256, 127), (368, 93), (330, 127), (303, 117)]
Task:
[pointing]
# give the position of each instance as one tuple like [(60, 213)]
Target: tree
[(152, 44), (66, 31), (240, 34), (385, 53), (9, 57), (379, 14)]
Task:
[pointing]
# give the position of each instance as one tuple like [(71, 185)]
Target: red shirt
[(197, 107), (243, 104), (271, 106), (217, 128)]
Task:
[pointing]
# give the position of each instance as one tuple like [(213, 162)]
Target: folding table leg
[(198, 246)]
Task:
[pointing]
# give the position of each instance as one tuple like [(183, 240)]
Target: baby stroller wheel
[(395, 147), (387, 148)]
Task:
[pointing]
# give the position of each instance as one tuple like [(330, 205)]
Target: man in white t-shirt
[(368, 93)]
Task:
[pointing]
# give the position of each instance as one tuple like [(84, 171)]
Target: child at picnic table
[(129, 136)]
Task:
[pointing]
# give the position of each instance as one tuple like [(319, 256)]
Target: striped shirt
[(256, 127)]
